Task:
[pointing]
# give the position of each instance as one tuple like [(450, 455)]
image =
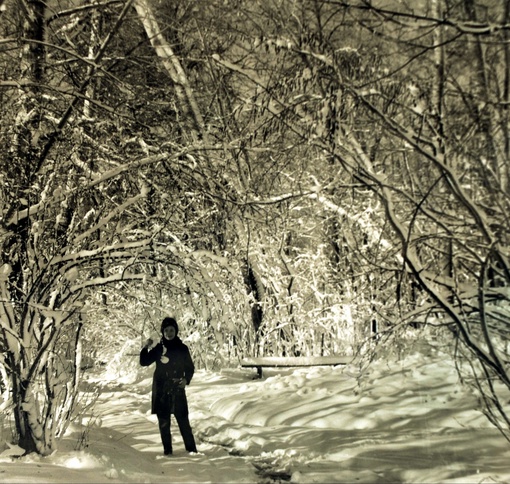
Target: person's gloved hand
[(151, 343), (182, 383)]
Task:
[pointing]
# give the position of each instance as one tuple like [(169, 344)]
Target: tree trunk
[(24, 419), (483, 105), (255, 287), (25, 152), (184, 92)]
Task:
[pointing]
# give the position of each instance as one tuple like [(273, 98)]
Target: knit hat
[(169, 322)]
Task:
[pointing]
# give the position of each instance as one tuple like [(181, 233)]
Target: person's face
[(169, 332)]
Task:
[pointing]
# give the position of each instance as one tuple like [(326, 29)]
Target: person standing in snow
[(174, 370)]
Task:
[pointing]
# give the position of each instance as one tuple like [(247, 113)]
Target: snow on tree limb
[(114, 213), (426, 21), (96, 180), (121, 249), (101, 281)]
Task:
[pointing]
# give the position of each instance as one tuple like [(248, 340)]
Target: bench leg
[(259, 372)]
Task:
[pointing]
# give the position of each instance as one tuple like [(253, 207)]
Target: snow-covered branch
[(425, 21), (101, 281), (117, 250), (114, 213), (98, 179)]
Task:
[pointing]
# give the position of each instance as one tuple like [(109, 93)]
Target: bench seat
[(293, 361)]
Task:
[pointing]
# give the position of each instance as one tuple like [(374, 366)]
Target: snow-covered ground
[(406, 420)]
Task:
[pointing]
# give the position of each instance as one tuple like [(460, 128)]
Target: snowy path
[(130, 433), (407, 421)]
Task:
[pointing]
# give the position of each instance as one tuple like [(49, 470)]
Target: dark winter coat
[(167, 396)]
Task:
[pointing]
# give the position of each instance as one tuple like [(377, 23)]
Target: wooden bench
[(293, 361)]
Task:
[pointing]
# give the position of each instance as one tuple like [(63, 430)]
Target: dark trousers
[(164, 420)]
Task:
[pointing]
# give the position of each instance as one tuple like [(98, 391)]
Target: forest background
[(284, 177)]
